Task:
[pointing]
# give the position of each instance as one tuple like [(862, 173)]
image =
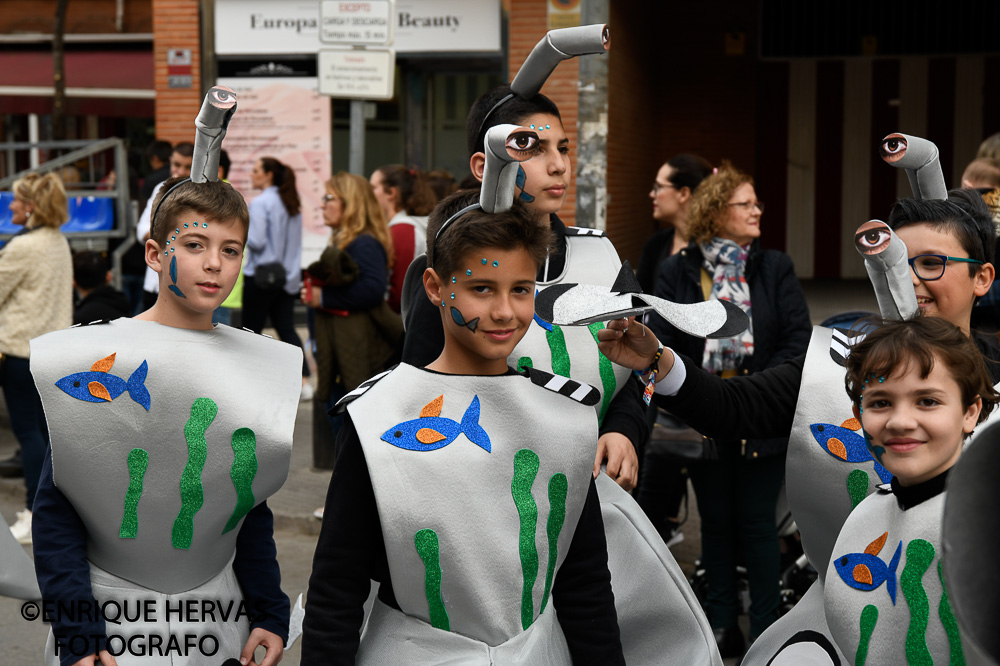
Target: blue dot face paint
[(496, 264), (185, 225), (452, 295), (468, 271), (454, 279), (484, 261)]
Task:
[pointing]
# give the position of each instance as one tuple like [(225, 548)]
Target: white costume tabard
[(480, 490), (163, 439), (885, 602), (659, 617)]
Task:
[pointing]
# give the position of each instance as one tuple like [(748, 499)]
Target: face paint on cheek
[(521, 180), (173, 278), (460, 319)]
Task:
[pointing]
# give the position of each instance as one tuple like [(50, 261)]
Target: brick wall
[(673, 89), (82, 16), (176, 26), (528, 24)]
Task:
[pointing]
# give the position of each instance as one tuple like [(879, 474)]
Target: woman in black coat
[(738, 484)]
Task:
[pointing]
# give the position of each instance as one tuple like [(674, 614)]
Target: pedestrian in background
[(662, 473), (98, 300), (36, 296), (274, 255), (738, 482), (406, 198)]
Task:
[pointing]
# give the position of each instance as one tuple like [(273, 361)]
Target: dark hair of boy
[(963, 214), (284, 180), (224, 163), (416, 196), (921, 341), (515, 228), (511, 112), (160, 150), (216, 200), (184, 149), (90, 269)]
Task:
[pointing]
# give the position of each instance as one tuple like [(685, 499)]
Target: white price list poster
[(287, 119)]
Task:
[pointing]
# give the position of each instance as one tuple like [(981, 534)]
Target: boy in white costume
[(168, 435)]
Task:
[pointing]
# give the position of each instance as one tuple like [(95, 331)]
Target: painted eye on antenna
[(223, 97), (872, 237), (893, 148), (522, 144)]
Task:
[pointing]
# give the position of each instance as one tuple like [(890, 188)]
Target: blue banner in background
[(85, 214)]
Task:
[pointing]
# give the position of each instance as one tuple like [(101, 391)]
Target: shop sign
[(259, 27), (179, 68), (366, 23), (356, 74)]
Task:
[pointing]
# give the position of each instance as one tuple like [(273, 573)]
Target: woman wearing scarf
[(738, 482)]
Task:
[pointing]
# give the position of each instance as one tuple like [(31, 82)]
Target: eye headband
[(210, 129), (553, 48)]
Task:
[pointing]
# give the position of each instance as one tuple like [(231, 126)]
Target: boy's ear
[(983, 279), (153, 255), (433, 286), (857, 412), (477, 163)]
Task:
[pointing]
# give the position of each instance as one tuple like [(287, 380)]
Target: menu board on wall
[(287, 119)]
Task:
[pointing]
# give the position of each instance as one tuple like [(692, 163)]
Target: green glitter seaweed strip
[(857, 486), (607, 373), (525, 469), (558, 486), (560, 355), (919, 554), (138, 460), (426, 542), (524, 362), (203, 412), (243, 471), (950, 624), (869, 616)]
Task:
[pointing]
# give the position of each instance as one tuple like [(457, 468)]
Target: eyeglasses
[(327, 198), (747, 205), (929, 267), (657, 187)]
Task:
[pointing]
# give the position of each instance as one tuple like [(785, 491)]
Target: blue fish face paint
[(521, 179), (848, 446), (173, 278), (460, 319), (429, 433)]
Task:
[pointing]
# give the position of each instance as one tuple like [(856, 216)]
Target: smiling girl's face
[(915, 424)]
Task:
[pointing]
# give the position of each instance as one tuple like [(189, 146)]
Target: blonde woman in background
[(356, 331), (36, 296)]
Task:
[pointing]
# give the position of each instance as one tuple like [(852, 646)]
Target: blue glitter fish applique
[(432, 431), (843, 443), (866, 572), (99, 385)]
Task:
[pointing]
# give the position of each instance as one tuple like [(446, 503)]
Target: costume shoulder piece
[(361, 389), (582, 393), (163, 439), (585, 232)]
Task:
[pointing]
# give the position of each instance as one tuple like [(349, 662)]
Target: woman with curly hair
[(356, 332), (36, 296), (737, 484)]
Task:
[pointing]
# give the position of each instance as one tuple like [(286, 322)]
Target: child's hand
[(273, 645), (629, 343), (103, 658), (623, 463)]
